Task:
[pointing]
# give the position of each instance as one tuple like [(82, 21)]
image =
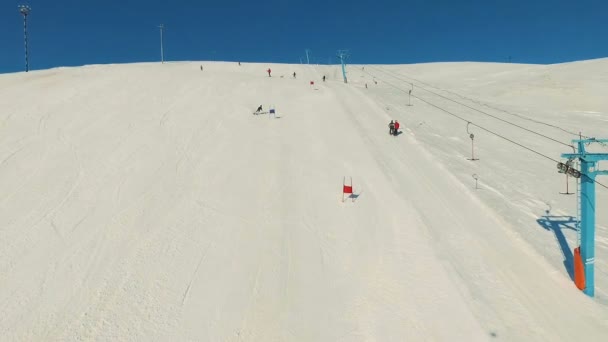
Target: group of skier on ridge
[(269, 71)]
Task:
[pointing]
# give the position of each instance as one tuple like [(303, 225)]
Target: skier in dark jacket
[(259, 110), (391, 128)]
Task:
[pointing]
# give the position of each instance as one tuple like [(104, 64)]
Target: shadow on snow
[(557, 224)]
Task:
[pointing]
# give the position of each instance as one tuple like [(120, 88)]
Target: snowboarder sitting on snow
[(396, 130), (259, 110), (391, 128)]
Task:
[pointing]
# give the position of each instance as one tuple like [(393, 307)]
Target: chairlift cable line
[(523, 117), (483, 128), (477, 101), (488, 114), (492, 107)]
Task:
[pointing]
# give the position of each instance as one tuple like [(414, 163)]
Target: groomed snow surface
[(145, 202)]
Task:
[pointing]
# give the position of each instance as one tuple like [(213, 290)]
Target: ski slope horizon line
[(302, 64)]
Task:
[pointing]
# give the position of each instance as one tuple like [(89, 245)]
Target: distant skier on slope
[(323, 78), (396, 131), (391, 128), (294, 74), (268, 71), (259, 111)]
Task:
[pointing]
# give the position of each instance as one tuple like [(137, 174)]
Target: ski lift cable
[(485, 113), (483, 128), (496, 108), (521, 116), (485, 104)]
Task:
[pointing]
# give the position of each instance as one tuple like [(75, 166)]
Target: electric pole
[(25, 10)]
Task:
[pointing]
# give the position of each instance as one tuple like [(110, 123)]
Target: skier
[(396, 131), (268, 72), (259, 111), (323, 78), (294, 74), (391, 128), (201, 68)]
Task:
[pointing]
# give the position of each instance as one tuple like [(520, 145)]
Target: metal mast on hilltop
[(162, 54), (25, 10)]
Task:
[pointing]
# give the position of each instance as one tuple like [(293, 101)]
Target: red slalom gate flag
[(347, 189)]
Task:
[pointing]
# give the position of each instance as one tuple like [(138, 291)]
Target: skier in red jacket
[(396, 131), (268, 72)]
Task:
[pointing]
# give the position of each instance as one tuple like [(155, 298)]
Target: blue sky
[(78, 32)]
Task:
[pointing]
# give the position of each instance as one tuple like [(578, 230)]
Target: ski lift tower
[(343, 55), (588, 172)]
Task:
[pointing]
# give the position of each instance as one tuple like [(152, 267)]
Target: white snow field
[(145, 202)]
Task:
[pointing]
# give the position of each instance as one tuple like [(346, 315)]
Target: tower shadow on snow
[(557, 224)]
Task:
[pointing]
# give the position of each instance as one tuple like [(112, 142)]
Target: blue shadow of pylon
[(557, 224)]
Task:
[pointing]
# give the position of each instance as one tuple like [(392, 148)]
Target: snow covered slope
[(146, 202)]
